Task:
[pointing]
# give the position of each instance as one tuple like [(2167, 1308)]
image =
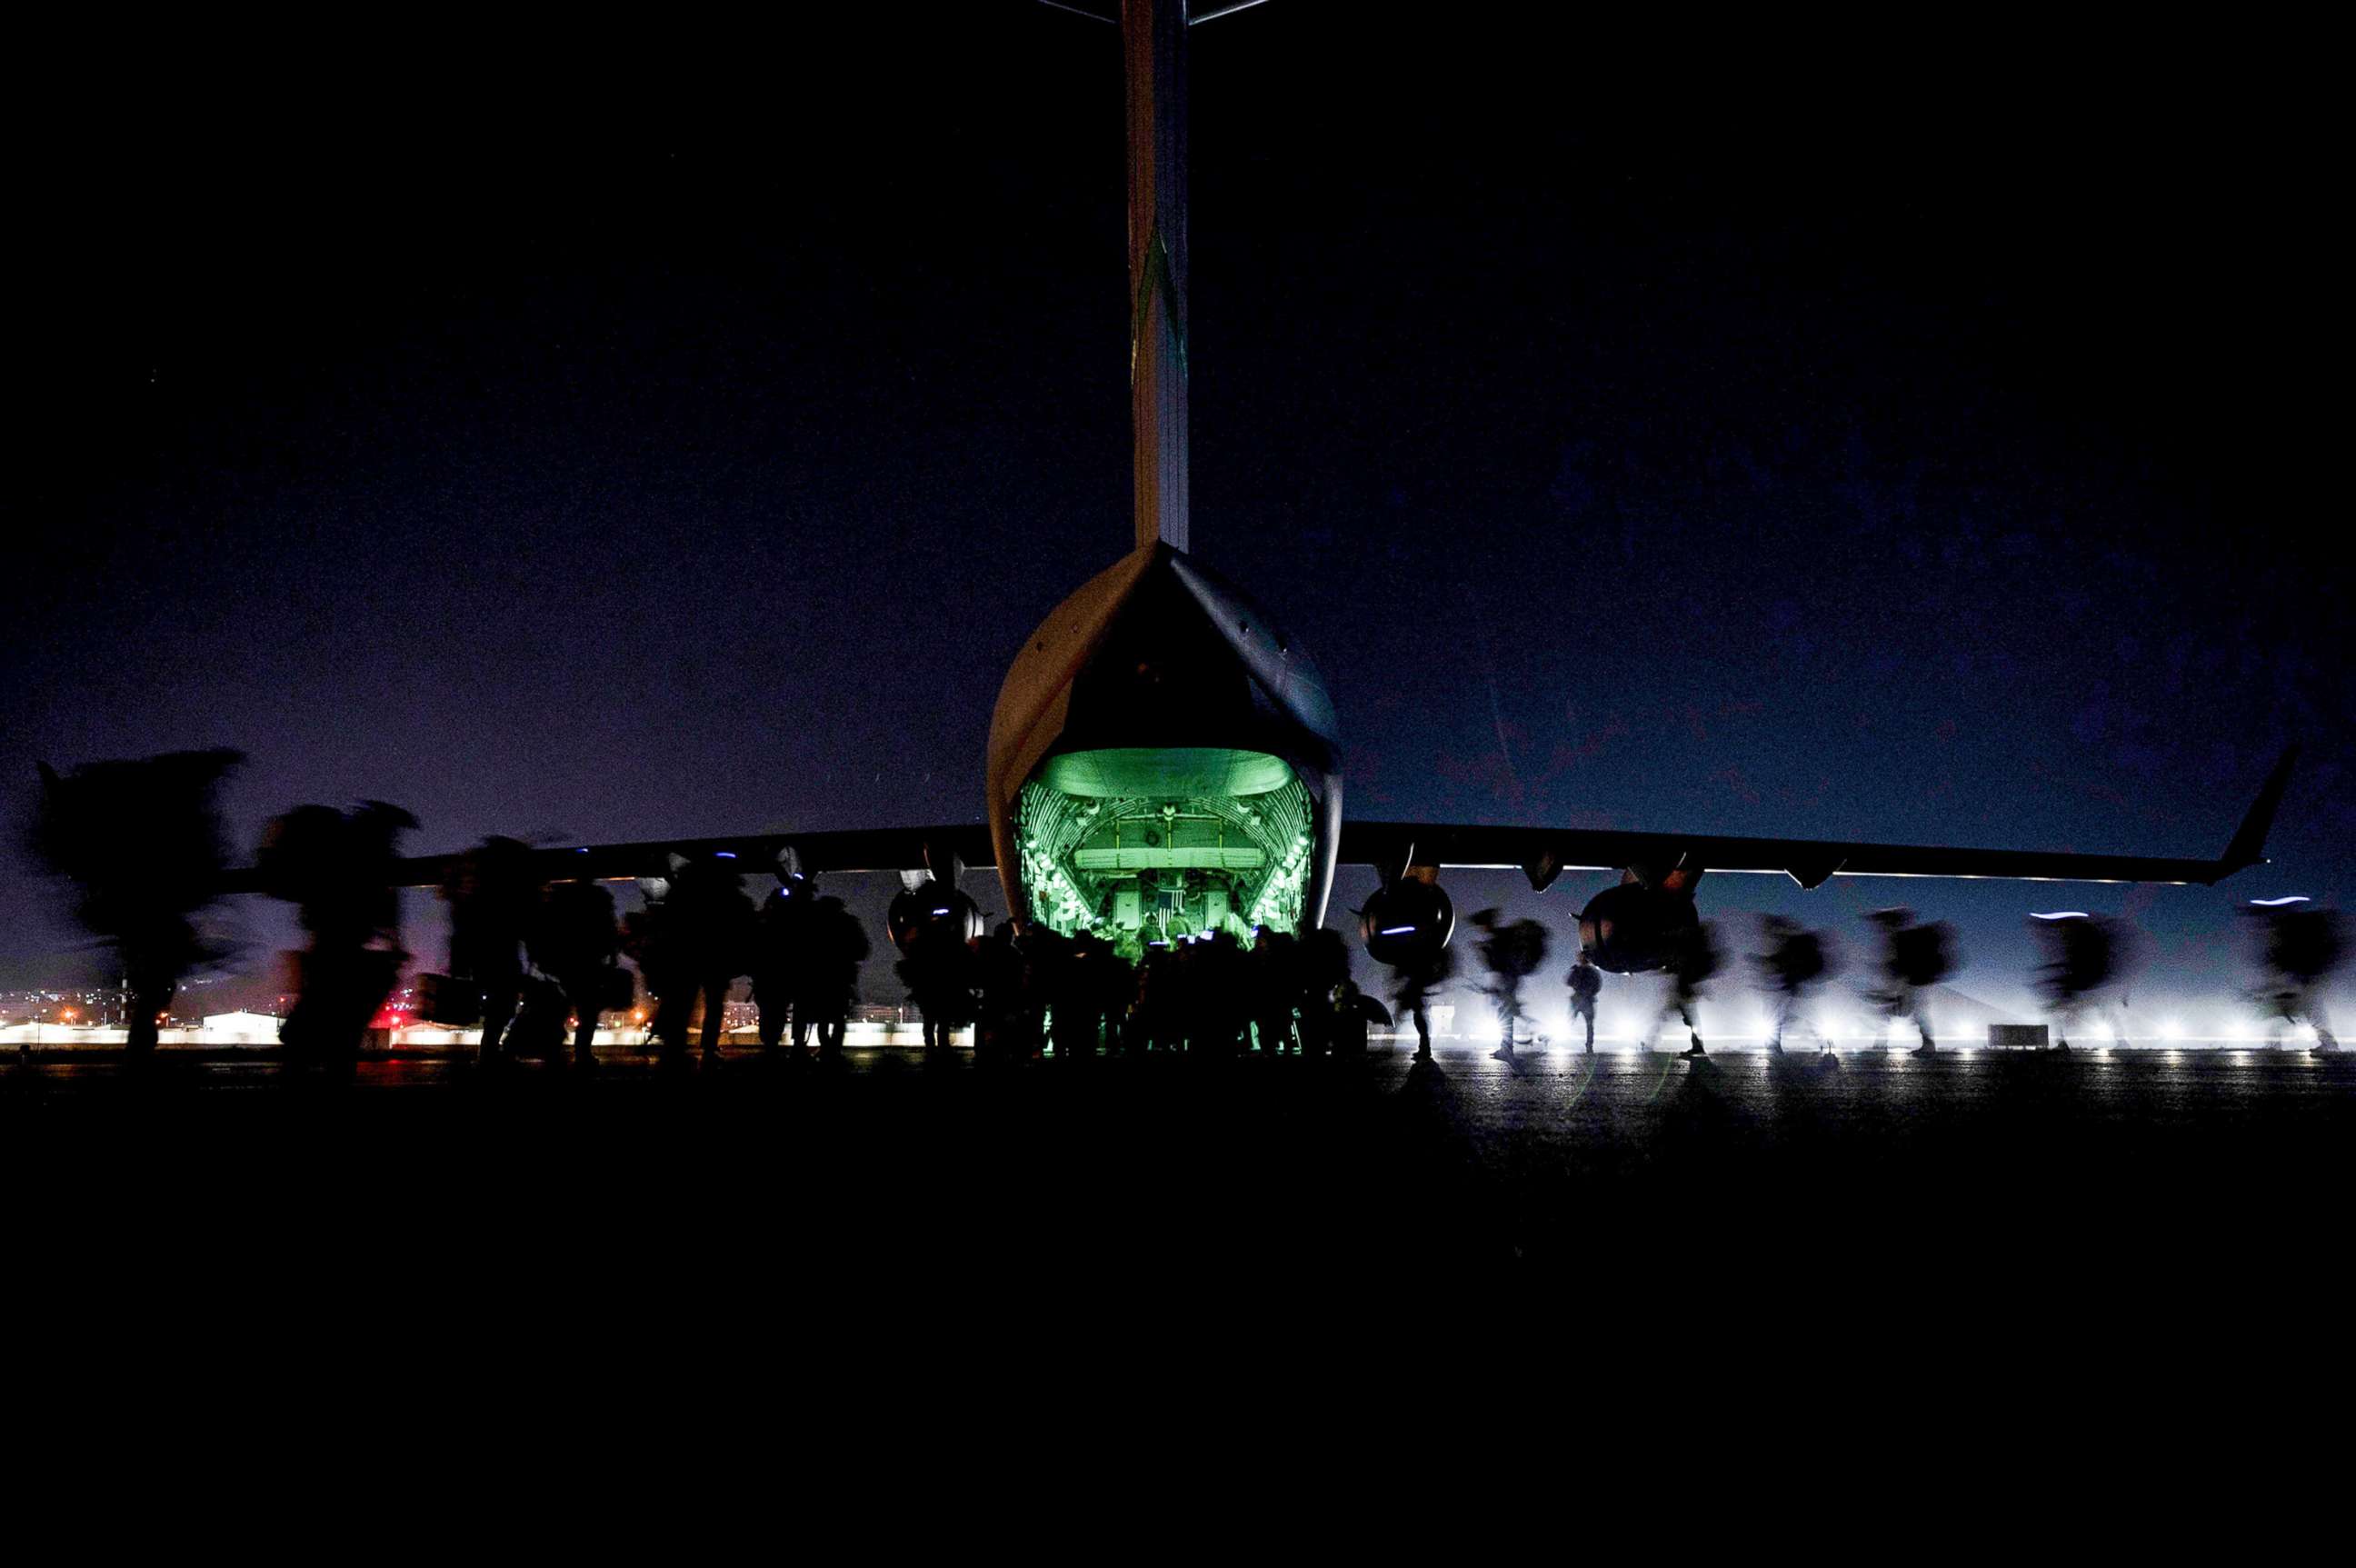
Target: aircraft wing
[(1541, 853), (858, 849), (1544, 854)]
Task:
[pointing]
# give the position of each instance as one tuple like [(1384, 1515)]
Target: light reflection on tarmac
[(1989, 1179), (2238, 1068)]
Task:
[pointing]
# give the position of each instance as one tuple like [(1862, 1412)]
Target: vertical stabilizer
[(1153, 40)]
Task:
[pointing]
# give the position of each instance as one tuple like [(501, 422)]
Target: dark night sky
[(1786, 446)]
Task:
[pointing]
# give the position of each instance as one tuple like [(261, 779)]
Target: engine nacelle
[(1407, 922), (928, 904), (1636, 930)]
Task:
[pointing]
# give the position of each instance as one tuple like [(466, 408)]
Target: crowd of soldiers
[(1077, 996), (524, 956), (528, 958), (697, 934), (538, 963)]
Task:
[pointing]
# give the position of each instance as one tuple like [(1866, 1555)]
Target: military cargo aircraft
[(1165, 762)]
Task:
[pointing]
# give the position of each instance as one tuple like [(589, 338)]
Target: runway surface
[(1903, 1188)]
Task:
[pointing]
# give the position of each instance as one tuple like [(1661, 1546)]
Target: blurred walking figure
[(1697, 959), (1795, 961), (1511, 952), (1412, 989), (493, 893), (576, 942), (338, 869), (830, 979), (2089, 960), (1586, 983), (2300, 949), (144, 842), (1914, 957)]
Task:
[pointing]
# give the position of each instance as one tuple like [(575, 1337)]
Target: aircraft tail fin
[(2248, 845)]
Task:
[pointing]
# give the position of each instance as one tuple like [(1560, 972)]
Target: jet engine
[(929, 904), (1407, 923), (1634, 930)]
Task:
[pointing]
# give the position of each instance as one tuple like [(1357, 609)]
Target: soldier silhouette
[(781, 948), (830, 979), (338, 869), (1695, 959), (493, 892), (1274, 966), (1221, 992), (1511, 952), (715, 929), (1150, 1005), (1914, 957), (1352, 1013), (938, 971), (2089, 960), (1416, 980), (2299, 949), (1586, 983), (1794, 960), (575, 941), (144, 842), (1322, 971), (1055, 1003), (651, 936), (1114, 983), (1001, 970)]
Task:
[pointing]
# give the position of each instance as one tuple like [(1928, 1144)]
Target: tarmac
[(1969, 1182)]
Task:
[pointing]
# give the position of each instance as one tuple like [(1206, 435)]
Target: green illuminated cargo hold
[(1164, 763), (1140, 844)]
